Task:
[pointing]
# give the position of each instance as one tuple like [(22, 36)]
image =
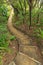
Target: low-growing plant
[(3, 41), (39, 33), (12, 38)]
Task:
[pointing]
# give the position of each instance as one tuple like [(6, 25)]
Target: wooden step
[(31, 51), (23, 59)]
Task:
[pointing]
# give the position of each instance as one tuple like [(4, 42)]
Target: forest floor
[(32, 33), (28, 51)]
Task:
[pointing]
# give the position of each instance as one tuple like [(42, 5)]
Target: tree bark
[(30, 10)]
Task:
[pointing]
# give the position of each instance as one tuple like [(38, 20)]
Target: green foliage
[(3, 19), (39, 33), (21, 17), (3, 28), (3, 39), (20, 20), (12, 38), (4, 44), (18, 23), (4, 12)]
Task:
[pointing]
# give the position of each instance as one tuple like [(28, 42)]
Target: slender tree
[(31, 6)]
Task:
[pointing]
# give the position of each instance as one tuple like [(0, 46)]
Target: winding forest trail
[(28, 54), (23, 38)]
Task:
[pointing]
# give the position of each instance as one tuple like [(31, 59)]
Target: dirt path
[(23, 38), (27, 54)]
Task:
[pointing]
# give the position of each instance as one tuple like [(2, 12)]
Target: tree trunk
[(38, 18), (30, 9)]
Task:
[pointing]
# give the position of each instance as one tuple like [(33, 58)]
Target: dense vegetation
[(29, 12), (4, 34), (26, 12)]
